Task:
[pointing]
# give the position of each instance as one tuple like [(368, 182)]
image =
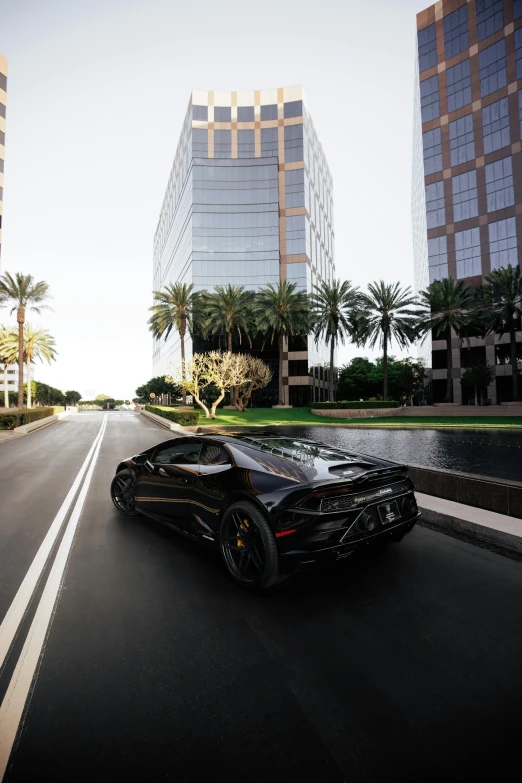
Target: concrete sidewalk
[(486, 527)]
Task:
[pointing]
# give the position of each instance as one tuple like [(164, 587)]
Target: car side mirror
[(140, 459)]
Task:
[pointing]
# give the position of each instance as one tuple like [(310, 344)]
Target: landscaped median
[(268, 417), (185, 418), (19, 417)]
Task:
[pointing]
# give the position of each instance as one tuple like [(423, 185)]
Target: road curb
[(447, 523)]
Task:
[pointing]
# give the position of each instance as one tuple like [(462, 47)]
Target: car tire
[(122, 492), (259, 571)]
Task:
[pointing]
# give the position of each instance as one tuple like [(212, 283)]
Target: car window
[(214, 454), (178, 454)]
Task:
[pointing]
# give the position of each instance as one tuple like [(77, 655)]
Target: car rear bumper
[(297, 558)]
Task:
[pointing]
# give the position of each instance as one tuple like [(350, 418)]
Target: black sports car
[(272, 504)]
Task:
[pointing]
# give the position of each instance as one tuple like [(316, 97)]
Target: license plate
[(389, 512)]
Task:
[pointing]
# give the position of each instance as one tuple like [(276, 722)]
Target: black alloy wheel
[(123, 492), (248, 546)]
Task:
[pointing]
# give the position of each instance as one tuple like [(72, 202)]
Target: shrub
[(345, 405), (184, 418), (8, 421)]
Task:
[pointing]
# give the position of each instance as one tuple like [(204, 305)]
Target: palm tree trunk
[(514, 363), (6, 386), (28, 382), (21, 319), (332, 349), (281, 400), (449, 362), (385, 365), (182, 330)]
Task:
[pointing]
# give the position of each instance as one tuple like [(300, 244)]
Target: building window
[(432, 148), (462, 140), (490, 17), (293, 109), (427, 41), (499, 185), (429, 91), (245, 114), (199, 143), (297, 367), (222, 143), (492, 68), (294, 188), (222, 114), (269, 112), (495, 125), (518, 51), (517, 9), (465, 201), (269, 146), (503, 243), (200, 113), (293, 143), (435, 210), (467, 251), (295, 234), (438, 258), (246, 146), (456, 32), (298, 274), (458, 85)]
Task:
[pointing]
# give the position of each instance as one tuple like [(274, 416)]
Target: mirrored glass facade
[(467, 159), (249, 202), (3, 102)]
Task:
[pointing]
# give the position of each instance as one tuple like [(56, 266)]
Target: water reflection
[(493, 453)]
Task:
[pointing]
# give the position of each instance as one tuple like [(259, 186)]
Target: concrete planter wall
[(356, 413), (503, 497)]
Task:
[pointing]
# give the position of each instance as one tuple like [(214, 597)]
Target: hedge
[(8, 421), (188, 418), (344, 404)]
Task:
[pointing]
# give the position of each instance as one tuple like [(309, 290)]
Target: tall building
[(3, 101), (249, 202), (467, 167)]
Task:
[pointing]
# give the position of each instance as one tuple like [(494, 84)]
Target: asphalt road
[(151, 665)]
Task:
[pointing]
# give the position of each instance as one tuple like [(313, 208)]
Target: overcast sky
[(96, 97)]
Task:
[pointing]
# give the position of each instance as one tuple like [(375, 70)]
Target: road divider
[(12, 707)]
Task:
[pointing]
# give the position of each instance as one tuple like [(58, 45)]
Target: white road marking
[(16, 611), (12, 707)]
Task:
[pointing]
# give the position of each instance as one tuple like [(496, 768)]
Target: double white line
[(12, 707)]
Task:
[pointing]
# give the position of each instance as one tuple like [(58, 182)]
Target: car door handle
[(162, 472)]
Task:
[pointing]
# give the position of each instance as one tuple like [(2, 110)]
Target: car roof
[(296, 449)]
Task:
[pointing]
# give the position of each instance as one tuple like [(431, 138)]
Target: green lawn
[(264, 417)]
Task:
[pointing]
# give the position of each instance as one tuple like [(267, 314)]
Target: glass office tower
[(467, 165), (249, 202), (3, 101)]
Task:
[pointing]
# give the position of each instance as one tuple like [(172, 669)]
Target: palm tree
[(176, 308), (448, 308), (7, 356), (335, 309), (38, 344), (281, 312), (388, 313), (500, 307), (22, 293), (228, 311)]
